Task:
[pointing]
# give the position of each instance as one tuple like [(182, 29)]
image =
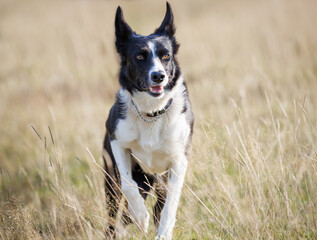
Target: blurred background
[(251, 69)]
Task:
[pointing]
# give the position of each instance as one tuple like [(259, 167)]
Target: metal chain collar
[(155, 115)]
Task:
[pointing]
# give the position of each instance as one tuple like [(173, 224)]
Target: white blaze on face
[(156, 64)]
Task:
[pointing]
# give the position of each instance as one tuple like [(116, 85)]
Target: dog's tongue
[(156, 89)]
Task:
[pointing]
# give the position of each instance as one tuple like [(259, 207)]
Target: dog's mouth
[(156, 89)]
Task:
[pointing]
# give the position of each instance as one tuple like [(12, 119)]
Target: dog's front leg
[(129, 187), (176, 177)]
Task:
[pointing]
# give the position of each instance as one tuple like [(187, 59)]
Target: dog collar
[(156, 115)]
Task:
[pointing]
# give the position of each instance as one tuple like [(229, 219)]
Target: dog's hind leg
[(161, 191), (112, 200), (143, 180)]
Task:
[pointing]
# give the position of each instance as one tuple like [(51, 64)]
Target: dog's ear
[(122, 30), (167, 26)]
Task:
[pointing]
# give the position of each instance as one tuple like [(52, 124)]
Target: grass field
[(251, 68)]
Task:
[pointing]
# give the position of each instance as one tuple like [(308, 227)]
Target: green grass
[(251, 71)]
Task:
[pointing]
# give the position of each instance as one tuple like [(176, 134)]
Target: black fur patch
[(118, 111), (189, 116)]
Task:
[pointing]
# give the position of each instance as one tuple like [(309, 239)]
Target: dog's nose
[(157, 77)]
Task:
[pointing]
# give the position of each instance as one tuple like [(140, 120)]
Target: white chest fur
[(157, 144)]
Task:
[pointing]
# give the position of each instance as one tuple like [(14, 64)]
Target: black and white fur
[(143, 152)]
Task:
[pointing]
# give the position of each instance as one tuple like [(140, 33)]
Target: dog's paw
[(165, 230), (163, 237), (145, 219), (140, 216), (136, 206)]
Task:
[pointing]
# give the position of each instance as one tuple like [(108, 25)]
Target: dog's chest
[(154, 145)]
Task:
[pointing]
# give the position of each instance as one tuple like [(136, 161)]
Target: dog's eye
[(140, 57), (166, 57)]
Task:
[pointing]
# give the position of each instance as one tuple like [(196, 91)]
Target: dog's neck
[(148, 104), (152, 117)]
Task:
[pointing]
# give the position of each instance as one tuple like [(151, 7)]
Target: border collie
[(149, 129)]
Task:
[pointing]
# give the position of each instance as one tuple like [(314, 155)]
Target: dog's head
[(148, 63)]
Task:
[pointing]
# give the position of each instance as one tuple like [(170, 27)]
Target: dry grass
[(251, 67)]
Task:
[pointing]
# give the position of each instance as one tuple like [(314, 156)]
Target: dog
[(148, 130)]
